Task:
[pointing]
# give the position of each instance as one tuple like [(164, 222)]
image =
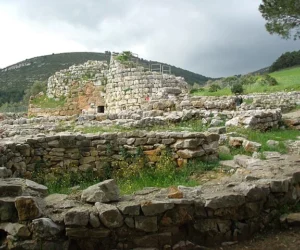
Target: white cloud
[(214, 38)]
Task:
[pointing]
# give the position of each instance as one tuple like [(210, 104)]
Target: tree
[(282, 16), (214, 87), (35, 89), (237, 88)]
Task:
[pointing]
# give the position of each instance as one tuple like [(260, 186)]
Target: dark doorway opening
[(3, 235), (100, 109)]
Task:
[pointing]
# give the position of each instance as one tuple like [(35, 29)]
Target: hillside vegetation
[(286, 60), (285, 80), (15, 79)]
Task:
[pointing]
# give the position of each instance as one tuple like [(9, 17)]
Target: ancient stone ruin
[(133, 103)]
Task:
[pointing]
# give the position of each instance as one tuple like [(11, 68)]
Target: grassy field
[(288, 80)]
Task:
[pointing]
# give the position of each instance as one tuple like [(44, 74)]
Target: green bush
[(237, 88), (267, 80), (214, 87)]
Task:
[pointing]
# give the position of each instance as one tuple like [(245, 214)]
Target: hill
[(287, 80), (15, 79), (260, 71)]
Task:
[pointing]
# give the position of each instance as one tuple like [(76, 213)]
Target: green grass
[(221, 92), (97, 129), (164, 175), (233, 152), (45, 102), (263, 137), (162, 178), (288, 80), (191, 125)]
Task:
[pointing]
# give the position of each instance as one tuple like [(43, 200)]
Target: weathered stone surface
[(280, 186), (105, 191), (187, 154), (251, 146), (18, 187), (222, 200), (80, 232), (150, 208), (45, 228), (236, 141), (293, 219), (146, 224), (129, 208), (154, 240), (253, 192), (77, 216), (175, 193), (28, 208), (94, 219), (109, 215), (15, 229)]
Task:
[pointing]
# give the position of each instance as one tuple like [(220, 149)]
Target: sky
[(211, 37)]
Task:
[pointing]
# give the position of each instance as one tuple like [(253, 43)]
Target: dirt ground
[(288, 239)]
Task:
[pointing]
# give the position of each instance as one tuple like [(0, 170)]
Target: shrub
[(237, 88), (214, 87), (124, 56), (193, 91), (267, 80), (271, 80)]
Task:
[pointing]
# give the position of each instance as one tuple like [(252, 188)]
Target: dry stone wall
[(285, 101), (130, 88), (95, 152), (60, 83), (226, 210)]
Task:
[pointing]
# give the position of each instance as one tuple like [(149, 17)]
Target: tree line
[(286, 60)]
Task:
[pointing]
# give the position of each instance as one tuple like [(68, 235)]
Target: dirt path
[(274, 240)]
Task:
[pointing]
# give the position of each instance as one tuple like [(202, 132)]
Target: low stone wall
[(226, 210), (256, 119), (95, 152), (285, 101)]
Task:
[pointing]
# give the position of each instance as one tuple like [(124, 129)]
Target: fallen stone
[(251, 146), (105, 191), (236, 141)]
